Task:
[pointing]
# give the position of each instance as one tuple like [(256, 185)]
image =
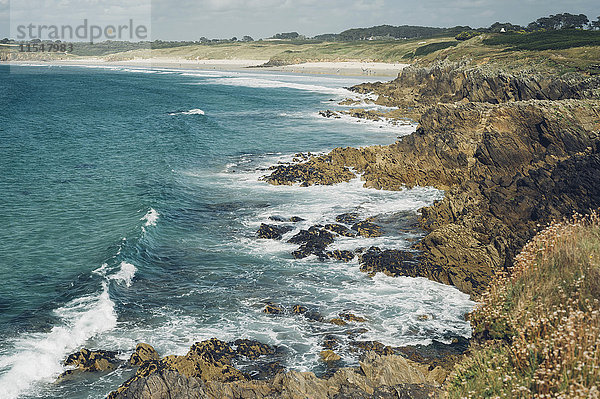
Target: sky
[(192, 19)]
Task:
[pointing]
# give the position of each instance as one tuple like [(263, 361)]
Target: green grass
[(546, 40), (430, 48), (538, 327)]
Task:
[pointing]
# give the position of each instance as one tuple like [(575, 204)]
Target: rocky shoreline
[(511, 153)]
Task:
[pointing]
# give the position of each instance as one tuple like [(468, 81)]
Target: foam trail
[(125, 274), (195, 111), (151, 217), (275, 84), (38, 356)]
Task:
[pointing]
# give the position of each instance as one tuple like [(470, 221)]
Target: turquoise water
[(128, 215)]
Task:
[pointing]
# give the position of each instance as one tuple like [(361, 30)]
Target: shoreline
[(343, 68)]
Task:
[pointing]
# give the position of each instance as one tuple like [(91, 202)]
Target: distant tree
[(595, 24), (327, 37), (4, 41), (559, 21), (247, 39), (204, 40), (466, 35), (233, 39), (286, 36), (507, 26)]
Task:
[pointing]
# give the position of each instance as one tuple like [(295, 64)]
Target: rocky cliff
[(206, 372), (505, 167), (447, 82)]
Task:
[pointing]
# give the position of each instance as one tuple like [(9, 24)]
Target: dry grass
[(541, 321)]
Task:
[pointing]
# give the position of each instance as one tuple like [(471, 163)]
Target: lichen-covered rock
[(271, 308), (352, 317), (252, 349), (329, 356), (347, 218), (313, 242), (367, 229), (143, 353), (337, 321), (90, 361), (272, 232), (340, 229), (341, 254), (299, 309)]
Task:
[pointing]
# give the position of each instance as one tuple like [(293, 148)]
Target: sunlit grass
[(540, 323)]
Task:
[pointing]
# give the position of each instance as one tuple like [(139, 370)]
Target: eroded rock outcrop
[(387, 376), (505, 168), (449, 82)]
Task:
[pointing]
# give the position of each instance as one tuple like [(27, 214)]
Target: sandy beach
[(347, 68)]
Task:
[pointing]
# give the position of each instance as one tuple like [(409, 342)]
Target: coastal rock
[(86, 361), (352, 317), (340, 229), (143, 353), (337, 321), (299, 309), (392, 262), (343, 255), (505, 168), (347, 218), (271, 308), (449, 82), (376, 376), (314, 241), (367, 229), (251, 349), (329, 356), (272, 232)]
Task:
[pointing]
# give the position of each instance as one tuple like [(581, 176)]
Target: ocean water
[(129, 204)]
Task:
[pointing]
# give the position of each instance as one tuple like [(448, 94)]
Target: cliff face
[(447, 82), (506, 168)]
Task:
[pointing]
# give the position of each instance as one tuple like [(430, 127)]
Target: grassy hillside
[(288, 52), (540, 326)]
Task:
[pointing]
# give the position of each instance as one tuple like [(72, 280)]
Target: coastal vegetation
[(538, 325)]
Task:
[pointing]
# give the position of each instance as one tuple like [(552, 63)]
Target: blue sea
[(129, 204)]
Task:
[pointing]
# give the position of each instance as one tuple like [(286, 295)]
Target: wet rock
[(293, 219), (272, 232), (314, 241), (329, 356), (340, 229), (299, 309), (143, 353), (338, 322), (372, 346), (271, 308), (329, 114), (367, 229), (330, 342), (352, 317), (347, 218), (91, 361), (252, 349), (342, 255), (312, 315), (437, 354), (392, 262)]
